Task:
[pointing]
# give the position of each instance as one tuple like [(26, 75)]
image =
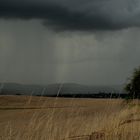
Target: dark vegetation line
[(99, 95), (78, 95)]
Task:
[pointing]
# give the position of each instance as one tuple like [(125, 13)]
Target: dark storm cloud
[(75, 15)]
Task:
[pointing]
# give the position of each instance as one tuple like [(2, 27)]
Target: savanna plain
[(50, 118)]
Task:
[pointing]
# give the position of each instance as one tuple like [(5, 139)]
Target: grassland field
[(46, 118)]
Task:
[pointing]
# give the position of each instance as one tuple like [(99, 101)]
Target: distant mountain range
[(54, 89)]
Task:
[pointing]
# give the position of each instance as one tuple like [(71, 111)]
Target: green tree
[(133, 86)]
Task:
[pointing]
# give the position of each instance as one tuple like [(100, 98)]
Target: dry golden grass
[(35, 118)]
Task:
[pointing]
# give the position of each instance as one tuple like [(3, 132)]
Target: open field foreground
[(42, 118)]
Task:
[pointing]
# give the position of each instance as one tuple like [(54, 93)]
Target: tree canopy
[(133, 86)]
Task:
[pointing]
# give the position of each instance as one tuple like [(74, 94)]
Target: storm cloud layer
[(33, 54), (97, 43), (82, 15)]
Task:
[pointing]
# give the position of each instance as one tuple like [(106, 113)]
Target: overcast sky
[(94, 42)]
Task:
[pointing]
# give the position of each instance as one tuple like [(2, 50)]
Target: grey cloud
[(29, 53), (75, 15)]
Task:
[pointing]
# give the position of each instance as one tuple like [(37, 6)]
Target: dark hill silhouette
[(64, 90)]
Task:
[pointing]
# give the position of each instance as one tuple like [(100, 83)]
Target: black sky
[(89, 15)]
